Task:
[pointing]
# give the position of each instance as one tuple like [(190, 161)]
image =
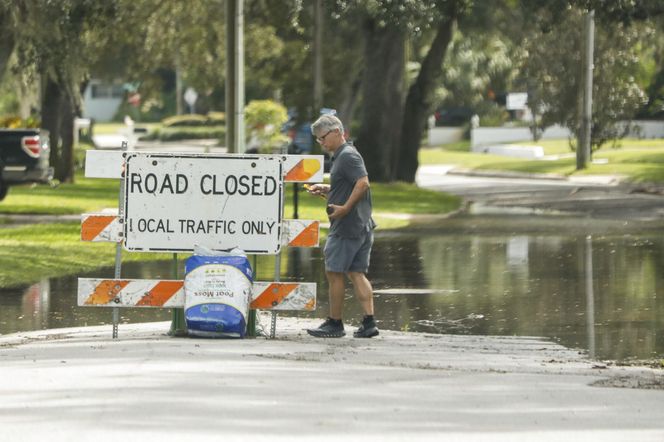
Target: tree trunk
[(52, 121), (59, 108), (7, 40), (350, 94), (68, 109), (6, 48), (382, 92), (419, 104)]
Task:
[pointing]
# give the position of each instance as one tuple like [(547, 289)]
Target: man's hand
[(336, 212), (318, 189)]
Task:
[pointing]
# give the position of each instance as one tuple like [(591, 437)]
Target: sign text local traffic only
[(173, 202)]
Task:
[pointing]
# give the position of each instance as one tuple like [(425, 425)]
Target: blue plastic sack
[(217, 295)]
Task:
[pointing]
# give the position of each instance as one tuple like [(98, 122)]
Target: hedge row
[(186, 133), (195, 120)]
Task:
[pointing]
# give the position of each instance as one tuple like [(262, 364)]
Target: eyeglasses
[(322, 139)]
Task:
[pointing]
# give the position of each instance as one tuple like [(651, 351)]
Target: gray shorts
[(348, 254)]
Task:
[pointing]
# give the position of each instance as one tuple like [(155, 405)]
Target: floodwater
[(602, 293)]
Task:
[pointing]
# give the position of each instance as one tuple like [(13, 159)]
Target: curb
[(506, 174)]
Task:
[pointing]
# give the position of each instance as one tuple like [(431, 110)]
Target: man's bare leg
[(337, 289), (363, 291)]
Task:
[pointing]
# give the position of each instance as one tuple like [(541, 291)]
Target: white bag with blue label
[(217, 287)]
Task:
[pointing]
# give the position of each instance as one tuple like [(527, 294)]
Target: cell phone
[(329, 210)]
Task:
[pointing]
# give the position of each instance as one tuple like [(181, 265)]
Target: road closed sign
[(173, 202)]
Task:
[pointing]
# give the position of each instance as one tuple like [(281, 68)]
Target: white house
[(101, 100)]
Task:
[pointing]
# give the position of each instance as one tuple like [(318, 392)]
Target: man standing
[(350, 237)]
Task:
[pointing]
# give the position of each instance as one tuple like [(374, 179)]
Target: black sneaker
[(367, 329), (328, 329)]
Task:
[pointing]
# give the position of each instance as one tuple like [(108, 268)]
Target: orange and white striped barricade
[(282, 296), (101, 227), (297, 168), (106, 227), (303, 168)]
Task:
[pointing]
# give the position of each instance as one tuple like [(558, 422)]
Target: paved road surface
[(80, 385)]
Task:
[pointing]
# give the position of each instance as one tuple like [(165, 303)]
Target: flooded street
[(595, 288)]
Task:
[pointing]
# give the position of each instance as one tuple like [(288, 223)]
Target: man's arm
[(360, 188)]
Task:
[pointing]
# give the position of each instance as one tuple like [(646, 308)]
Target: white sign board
[(516, 100), (190, 96), (173, 202)]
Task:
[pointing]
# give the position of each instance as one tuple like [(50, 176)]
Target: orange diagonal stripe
[(303, 170), (93, 225), (106, 291), (273, 295), (160, 293), (307, 237), (311, 305)]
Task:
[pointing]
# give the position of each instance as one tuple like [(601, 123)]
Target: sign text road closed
[(176, 201)]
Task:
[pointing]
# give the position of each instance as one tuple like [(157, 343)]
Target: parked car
[(24, 158), (453, 116)]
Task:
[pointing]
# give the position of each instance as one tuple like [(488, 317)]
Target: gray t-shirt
[(348, 167)]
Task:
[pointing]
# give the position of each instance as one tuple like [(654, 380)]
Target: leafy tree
[(386, 115), (291, 74), (460, 68), (395, 108), (554, 64), (50, 37)]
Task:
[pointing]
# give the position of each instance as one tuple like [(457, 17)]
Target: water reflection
[(601, 294), (590, 298)]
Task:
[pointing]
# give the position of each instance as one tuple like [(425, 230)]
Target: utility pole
[(318, 57), (179, 108), (235, 142), (583, 151)]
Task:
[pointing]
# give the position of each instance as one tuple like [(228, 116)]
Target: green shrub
[(16, 122), (264, 119), (191, 120), (262, 113), (494, 117), (186, 133), (216, 118), (195, 120)]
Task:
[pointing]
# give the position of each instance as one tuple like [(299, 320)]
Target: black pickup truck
[(24, 158)]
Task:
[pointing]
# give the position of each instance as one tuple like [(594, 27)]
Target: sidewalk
[(597, 197), (79, 384), (443, 169)]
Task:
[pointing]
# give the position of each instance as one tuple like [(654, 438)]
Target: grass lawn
[(636, 160), (28, 253), (85, 195)]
